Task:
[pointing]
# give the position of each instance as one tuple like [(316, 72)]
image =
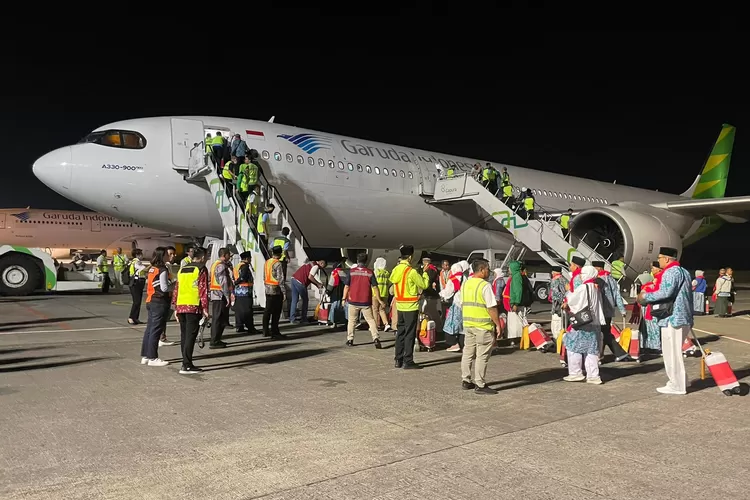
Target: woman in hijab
[(699, 293), (586, 339), (451, 295)]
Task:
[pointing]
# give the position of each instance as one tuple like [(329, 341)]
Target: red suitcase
[(720, 370), (541, 339), (426, 337)]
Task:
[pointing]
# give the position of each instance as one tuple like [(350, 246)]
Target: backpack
[(527, 292)]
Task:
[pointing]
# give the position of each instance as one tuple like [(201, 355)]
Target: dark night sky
[(648, 133)]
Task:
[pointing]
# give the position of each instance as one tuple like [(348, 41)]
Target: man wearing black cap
[(611, 300), (243, 295), (672, 306), (407, 286), (274, 281)]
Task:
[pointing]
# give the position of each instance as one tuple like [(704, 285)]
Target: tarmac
[(309, 418)]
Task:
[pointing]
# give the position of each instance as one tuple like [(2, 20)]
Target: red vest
[(303, 274), (360, 285)]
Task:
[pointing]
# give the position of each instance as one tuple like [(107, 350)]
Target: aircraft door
[(96, 226), (427, 179), (2, 221), (185, 135)]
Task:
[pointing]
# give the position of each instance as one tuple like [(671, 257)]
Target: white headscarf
[(464, 266), (588, 273), (379, 264), (699, 274), (498, 273), (456, 268)]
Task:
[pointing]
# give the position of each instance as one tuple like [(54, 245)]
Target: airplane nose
[(55, 168)]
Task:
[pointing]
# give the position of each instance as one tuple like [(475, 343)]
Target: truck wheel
[(19, 275), (541, 292)]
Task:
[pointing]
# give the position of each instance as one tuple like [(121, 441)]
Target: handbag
[(584, 316)]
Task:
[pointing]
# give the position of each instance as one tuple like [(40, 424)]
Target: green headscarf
[(516, 282)]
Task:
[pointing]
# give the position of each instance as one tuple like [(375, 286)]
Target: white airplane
[(350, 193), (61, 231)]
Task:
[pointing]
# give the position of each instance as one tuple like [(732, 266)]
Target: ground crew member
[(243, 295), (528, 204), (273, 277), (262, 225), (507, 194), (302, 279), (157, 305), (407, 286), (481, 327), (251, 206), (253, 170), (360, 290), (247, 178), (283, 242), (229, 177), (618, 268), (137, 282), (188, 258), (380, 307), (505, 177), (120, 263), (489, 178), (217, 146), (565, 223), (221, 297), (102, 267), (190, 301)]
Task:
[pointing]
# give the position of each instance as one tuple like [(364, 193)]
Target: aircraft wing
[(732, 206)]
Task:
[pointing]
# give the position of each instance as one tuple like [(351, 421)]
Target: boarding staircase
[(542, 235), (240, 229)]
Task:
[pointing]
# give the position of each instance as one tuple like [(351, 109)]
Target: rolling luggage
[(541, 339), (719, 368), (561, 350), (630, 341), (426, 337)]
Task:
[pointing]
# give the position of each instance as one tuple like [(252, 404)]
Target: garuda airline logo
[(309, 143), (24, 216)]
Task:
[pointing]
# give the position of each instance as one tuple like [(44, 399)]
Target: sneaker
[(377, 344), (163, 343), (574, 378), (144, 361), (595, 381), (157, 362), (668, 390), (190, 370), (467, 385), (350, 343), (387, 327), (454, 348), (485, 390)]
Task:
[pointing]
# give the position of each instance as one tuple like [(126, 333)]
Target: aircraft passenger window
[(350, 167), (545, 193), (330, 163), (411, 176), (359, 167), (321, 162), (266, 155), (377, 170), (341, 165), (403, 175), (277, 156), (606, 202), (368, 168), (393, 172), (385, 171), (289, 157), (311, 161), (300, 159)]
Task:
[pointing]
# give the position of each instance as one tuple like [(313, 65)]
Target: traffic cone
[(708, 307)]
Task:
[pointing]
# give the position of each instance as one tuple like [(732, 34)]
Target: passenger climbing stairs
[(543, 237)]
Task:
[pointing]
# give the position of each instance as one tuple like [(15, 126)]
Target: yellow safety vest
[(141, 273), (104, 268), (381, 275), (528, 203), (475, 310), (280, 242), (450, 172), (565, 221), (508, 190), (252, 174), (252, 206), (226, 172), (209, 141), (407, 294), (618, 269), (187, 287), (217, 141), (261, 227), (186, 262), (486, 174), (119, 262)]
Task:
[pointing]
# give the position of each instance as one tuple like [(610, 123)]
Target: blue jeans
[(298, 291), (334, 306)]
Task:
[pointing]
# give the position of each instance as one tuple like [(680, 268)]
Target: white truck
[(539, 275), (25, 270)]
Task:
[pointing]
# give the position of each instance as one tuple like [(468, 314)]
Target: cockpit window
[(116, 139)]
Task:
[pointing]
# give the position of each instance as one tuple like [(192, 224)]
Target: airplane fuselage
[(336, 187)]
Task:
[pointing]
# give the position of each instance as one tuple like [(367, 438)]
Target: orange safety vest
[(444, 277), (237, 274), (268, 278), (214, 283), (400, 288), (153, 291)]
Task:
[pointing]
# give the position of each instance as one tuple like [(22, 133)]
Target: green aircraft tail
[(713, 180)]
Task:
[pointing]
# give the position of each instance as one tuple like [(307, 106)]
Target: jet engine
[(617, 231)]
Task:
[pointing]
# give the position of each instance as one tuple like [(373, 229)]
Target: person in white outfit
[(585, 337)]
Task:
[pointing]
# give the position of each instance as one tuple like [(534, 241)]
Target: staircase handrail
[(282, 204)]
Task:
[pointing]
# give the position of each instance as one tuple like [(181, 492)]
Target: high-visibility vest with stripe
[(104, 268), (475, 310), (252, 174), (237, 275), (381, 276), (214, 282), (405, 300), (565, 221), (280, 241), (450, 172), (269, 279), (217, 141), (187, 286), (226, 172), (444, 275), (119, 262), (528, 203), (261, 226), (507, 190), (153, 289), (618, 269)]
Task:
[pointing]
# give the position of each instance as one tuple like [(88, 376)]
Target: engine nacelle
[(635, 235)]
